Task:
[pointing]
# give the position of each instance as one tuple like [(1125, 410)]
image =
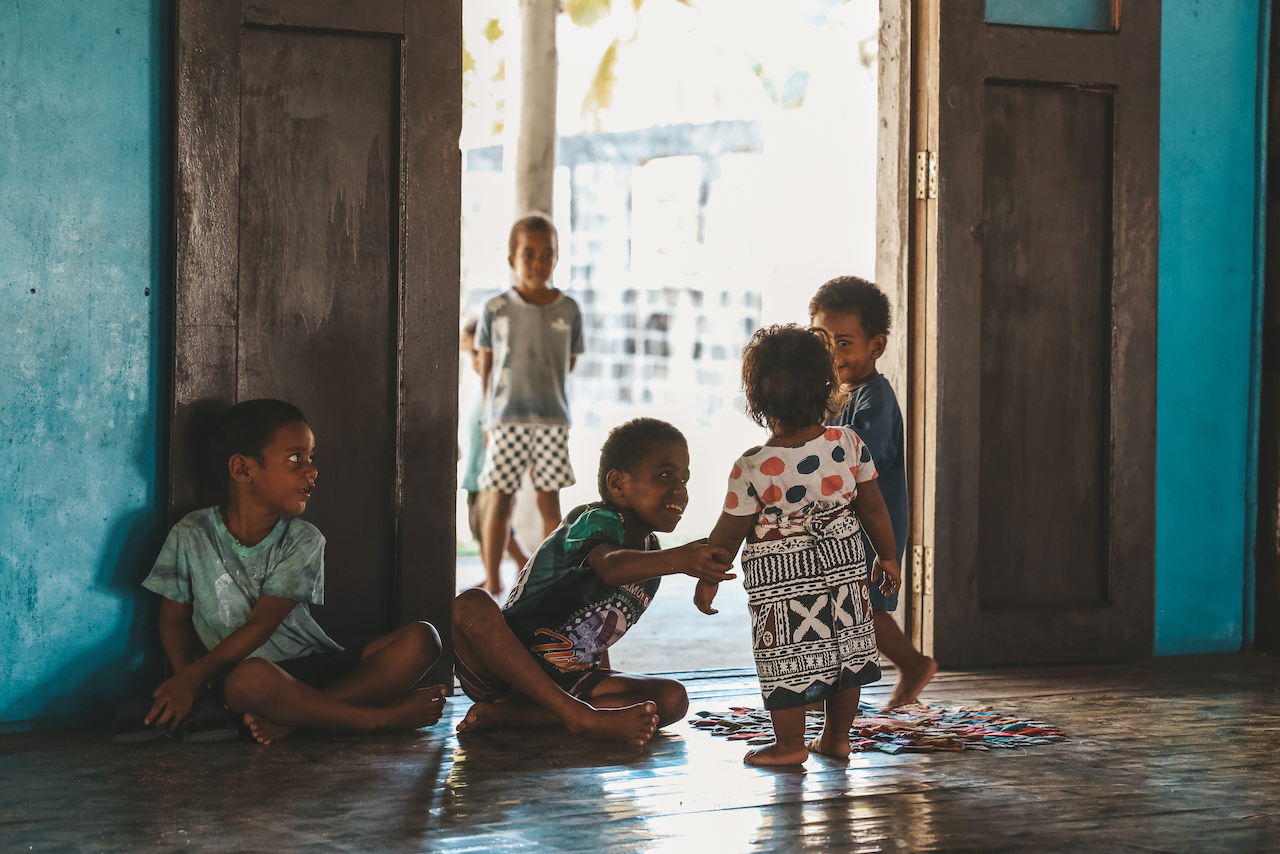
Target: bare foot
[(265, 731), (835, 747), (419, 708), (494, 589), (484, 716), (911, 681), (776, 755), (631, 724)]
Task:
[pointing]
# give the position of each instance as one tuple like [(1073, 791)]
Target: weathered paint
[(85, 169), (1210, 175)]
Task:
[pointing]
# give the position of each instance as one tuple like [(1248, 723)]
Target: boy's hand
[(704, 594), (173, 700), (702, 561), (889, 574)]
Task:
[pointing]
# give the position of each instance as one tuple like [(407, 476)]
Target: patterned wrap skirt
[(810, 611)]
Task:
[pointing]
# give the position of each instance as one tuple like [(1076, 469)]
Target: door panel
[(317, 261), (318, 291), (1037, 287), (1046, 294)]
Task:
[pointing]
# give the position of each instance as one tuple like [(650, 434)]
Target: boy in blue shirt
[(855, 314), (237, 580), (542, 659)]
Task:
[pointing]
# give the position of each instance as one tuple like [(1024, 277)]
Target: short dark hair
[(247, 429), (854, 295), (531, 222), (630, 444), (789, 377)]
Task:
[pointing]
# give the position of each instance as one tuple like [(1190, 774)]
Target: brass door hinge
[(922, 570), (928, 572), (926, 174)]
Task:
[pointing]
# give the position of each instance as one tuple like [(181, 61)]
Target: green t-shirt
[(560, 609), (202, 564)]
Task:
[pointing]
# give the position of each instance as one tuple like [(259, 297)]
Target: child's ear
[(615, 481), (241, 471), (878, 344)]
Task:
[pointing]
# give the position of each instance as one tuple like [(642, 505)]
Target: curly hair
[(789, 376), (629, 444), (532, 222), (853, 295)]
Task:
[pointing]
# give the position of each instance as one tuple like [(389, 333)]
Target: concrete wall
[(84, 292), (1209, 288)]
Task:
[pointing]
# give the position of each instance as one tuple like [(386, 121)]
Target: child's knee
[(672, 701), (249, 682), (470, 604), (425, 641)]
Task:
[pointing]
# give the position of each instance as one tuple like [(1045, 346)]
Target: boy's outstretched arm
[(874, 516), (176, 694), (727, 535), (618, 566)]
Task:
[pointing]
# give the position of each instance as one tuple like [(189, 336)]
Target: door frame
[(207, 38), (924, 41)]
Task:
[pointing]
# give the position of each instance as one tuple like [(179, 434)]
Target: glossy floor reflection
[(1170, 755)]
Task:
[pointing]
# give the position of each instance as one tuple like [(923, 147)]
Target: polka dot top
[(780, 485)]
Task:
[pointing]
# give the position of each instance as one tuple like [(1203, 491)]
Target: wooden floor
[(1178, 754)]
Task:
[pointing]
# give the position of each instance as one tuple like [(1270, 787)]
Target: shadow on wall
[(89, 686)]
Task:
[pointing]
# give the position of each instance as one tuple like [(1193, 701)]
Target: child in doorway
[(543, 658), (529, 338), (801, 501), (472, 442), (855, 314), (237, 580)]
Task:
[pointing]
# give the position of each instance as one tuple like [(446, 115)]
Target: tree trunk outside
[(536, 142)]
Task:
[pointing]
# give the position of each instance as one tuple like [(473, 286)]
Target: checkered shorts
[(513, 448)]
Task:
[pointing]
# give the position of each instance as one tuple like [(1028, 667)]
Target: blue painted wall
[(1210, 173), (84, 292)]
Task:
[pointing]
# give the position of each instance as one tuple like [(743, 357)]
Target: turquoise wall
[(1210, 170), (84, 287)]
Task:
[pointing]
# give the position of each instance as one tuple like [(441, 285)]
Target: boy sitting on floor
[(237, 580), (542, 659)]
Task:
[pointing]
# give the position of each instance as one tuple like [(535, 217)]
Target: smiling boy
[(855, 314), (542, 659), (237, 580)]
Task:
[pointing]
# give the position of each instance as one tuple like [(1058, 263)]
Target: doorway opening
[(717, 161)]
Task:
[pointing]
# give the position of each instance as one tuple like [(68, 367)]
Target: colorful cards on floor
[(910, 728)]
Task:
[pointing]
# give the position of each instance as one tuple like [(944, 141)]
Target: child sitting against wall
[(542, 659), (801, 500), (237, 580)]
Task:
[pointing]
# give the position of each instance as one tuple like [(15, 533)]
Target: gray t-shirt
[(201, 563), (531, 347)]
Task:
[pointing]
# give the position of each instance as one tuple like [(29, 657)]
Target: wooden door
[(1033, 327), (318, 205)]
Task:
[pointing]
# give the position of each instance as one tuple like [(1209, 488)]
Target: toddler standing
[(801, 501)]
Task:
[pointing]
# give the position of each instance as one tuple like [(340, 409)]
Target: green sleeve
[(594, 527)]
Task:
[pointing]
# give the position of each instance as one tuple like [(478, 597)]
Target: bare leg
[(485, 644), (788, 746), (914, 669), (549, 507), (615, 692), (389, 668), (258, 688), (841, 709), (515, 551), (497, 527)]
